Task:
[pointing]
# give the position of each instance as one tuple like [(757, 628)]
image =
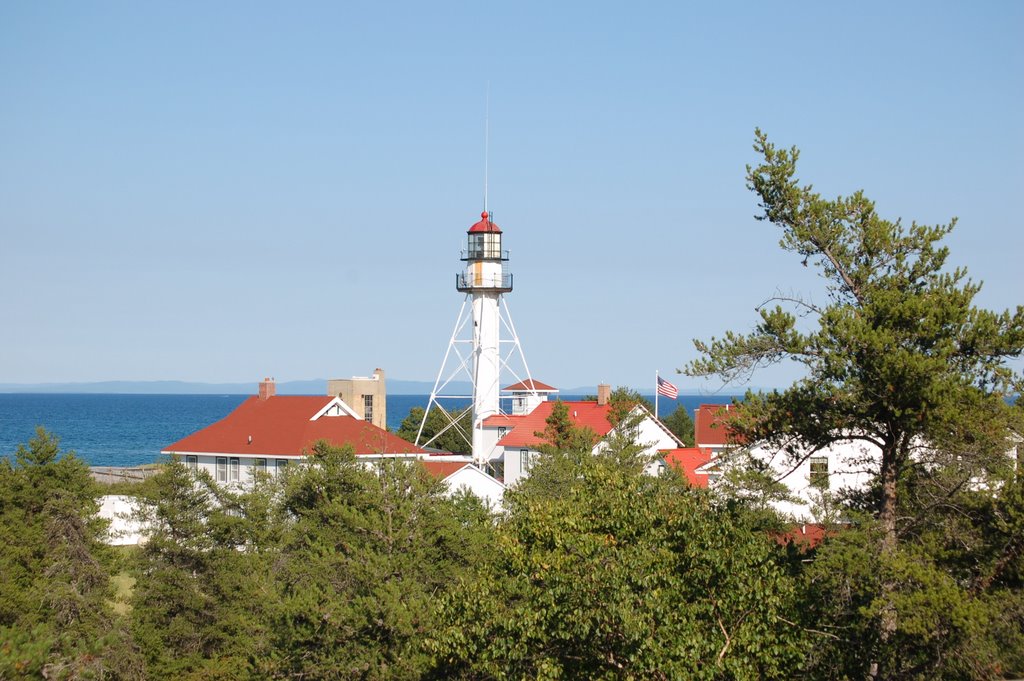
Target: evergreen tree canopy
[(681, 424), (897, 356), (619, 575), (442, 430), (56, 619)]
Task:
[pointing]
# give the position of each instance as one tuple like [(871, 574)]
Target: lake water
[(129, 430)]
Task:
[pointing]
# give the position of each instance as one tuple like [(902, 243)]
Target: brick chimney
[(604, 393), (267, 388)]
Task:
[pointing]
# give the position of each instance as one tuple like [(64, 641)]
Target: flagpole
[(655, 394)]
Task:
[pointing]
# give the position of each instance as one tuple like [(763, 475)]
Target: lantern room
[(484, 241)]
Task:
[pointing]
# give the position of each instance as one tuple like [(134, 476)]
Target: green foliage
[(622, 575), (567, 451), (898, 351), (444, 431), (328, 572), (623, 402), (898, 357), (200, 603), (752, 483), (945, 629), (55, 589), (560, 434), (367, 554), (681, 425)]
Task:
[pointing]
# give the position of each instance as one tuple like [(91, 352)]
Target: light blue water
[(130, 430)]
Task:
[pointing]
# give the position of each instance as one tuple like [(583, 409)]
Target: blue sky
[(223, 191)]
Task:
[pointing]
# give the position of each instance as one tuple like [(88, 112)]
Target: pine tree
[(204, 588), (370, 550), (898, 357), (55, 571)]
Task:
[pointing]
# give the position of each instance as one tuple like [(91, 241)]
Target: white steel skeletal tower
[(484, 346)]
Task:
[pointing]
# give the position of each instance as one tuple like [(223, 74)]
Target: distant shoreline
[(304, 387)]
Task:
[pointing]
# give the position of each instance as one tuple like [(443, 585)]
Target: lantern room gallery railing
[(483, 253), (467, 283)]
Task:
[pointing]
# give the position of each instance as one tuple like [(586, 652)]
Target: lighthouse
[(484, 345), (485, 280)]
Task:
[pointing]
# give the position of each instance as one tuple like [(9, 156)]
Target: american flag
[(667, 389)]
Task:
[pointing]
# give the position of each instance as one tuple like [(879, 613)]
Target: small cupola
[(484, 240)]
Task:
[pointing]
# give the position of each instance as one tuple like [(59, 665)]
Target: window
[(280, 465), (497, 470), (492, 245), (234, 468), (368, 408), (484, 245), (261, 465), (222, 469), (192, 462), (819, 472), (525, 460), (501, 432)]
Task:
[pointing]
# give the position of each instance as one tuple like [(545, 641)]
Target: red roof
[(803, 537), (709, 426), (443, 469), (688, 460), (281, 426), (485, 225), (507, 420), (530, 384), (587, 414)]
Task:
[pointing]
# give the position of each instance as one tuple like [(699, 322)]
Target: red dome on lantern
[(485, 225)]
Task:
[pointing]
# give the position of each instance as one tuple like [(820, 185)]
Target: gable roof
[(688, 460), (289, 425), (710, 424), (442, 469), (584, 414), (529, 385), (507, 420)]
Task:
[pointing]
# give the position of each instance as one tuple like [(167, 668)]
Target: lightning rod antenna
[(487, 140)]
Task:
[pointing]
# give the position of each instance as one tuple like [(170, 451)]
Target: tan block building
[(367, 396)]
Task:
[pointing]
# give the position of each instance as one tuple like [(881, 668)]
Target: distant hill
[(316, 386)]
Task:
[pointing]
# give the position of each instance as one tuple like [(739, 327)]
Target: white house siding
[(851, 464), (489, 439), (124, 529), (649, 434), (246, 467), (654, 439), (517, 463), (478, 483)]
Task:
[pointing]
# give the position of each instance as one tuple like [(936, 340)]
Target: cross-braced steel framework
[(459, 363)]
